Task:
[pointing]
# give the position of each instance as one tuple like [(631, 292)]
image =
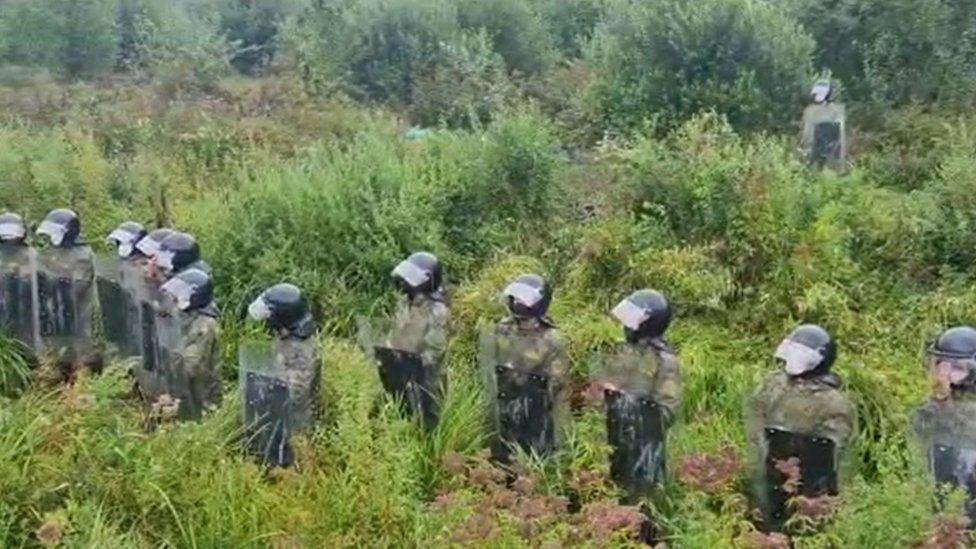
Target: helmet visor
[(164, 260), (147, 246), (124, 240), (797, 358), (820, 92), (12, 231), (259, 310), (629, 314), (180, 292), (955, 369), (411, 274), (53, 230), (528, 296)]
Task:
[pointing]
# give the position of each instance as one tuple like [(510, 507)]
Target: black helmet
[(283, 309), (807, 351), (420, 273), (191, 289), (149, 244), (126, 236), (822, 91), (528, 296), (62, 226), (645, 314), (957, 347), (12, 229), (177, 252)]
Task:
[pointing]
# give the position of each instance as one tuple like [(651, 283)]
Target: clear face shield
[(258, 309), (820, 92), (125, 241), (164, 261), (413, 275), (53, 231), (147, 246), (629, 314), (951, 370), (179, 292), (525, 295), (12, 231), (797, 358)]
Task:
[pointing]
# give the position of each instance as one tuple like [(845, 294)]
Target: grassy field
[(735, 229)]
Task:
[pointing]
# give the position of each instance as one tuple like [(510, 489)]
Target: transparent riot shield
[(955, 468), (268, 404), (18, 295), (149, 376), (397, 350), (824, 140), (795, 465), (113, 304), (525, 392), (65, 284), (635, 422)]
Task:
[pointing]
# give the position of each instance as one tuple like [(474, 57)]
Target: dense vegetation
[(610, 144)]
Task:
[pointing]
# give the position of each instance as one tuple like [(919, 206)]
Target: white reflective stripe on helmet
[(53, 230), (179, 291), (523, 293), (147, 246), (412, 274), (629, 314), (9, 231), (798, 358), (258, 310)]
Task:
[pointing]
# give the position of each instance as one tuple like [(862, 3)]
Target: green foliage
[(518, 33), (743, 58)]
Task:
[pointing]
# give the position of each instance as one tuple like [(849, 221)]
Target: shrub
[(518, 33)]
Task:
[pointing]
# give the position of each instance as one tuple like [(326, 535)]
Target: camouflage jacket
[(812, 407), (421, 325), (531, 346), (815, 114), (295, 360), (950, 422), (197, 359), (656, 367)]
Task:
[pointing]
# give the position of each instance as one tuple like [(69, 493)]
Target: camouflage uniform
[(812, 407), (194, 362), (532, 347), (819, 113), (658, 366), (950, 422), (420, 326), (295, 361), (75, 266)]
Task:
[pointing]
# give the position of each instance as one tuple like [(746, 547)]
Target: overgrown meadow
[(319, 144)]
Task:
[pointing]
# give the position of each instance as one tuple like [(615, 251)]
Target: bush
[(669, 59), (518, 33), (572, 22)]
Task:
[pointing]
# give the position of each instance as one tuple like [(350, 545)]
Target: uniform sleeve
[(198, 359), (755, 415), (557, 360), (668, 385), (435, 337), (839, 420)]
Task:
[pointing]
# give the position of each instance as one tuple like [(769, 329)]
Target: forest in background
[(609, 144)]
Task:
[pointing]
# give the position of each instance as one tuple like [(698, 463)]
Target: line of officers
[(156, 306)]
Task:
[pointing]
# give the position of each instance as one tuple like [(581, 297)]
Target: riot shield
[(826, 141), (817, 462), (113, 304), (149, 377), (523, 392), (955, 468), (18, 295), (268, 405), (823, 139), (65, 282), (635, 423), (397, 349)]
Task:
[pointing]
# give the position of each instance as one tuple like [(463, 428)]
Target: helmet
[(125, 237), (12, 229), (62, 226), (149, 244), (822, 91), (283, 309), (191, 289), (177, 252), (645, 314), (419, 273), (955, 348), (528, 296), (808, 350)]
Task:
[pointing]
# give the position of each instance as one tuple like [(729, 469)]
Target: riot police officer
[(824, 139), (177, 252), (66, 285), (799, 413), (18, 291), (119, 276), (641, 386), (188, 339), (409, 353), (946, 423), (526, 368), (280, 378), (144, 284)]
